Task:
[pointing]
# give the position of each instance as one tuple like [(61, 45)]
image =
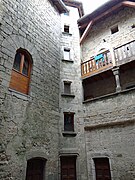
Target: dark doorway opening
[(35, 169)]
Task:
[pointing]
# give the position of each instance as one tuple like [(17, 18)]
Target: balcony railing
[(103, 62), (96, 64), (125, 53)]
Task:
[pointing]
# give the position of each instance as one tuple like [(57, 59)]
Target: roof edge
[(75, 3), (110, 3), (60, 6)]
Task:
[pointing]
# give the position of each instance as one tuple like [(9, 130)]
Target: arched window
[(20, 77), (35, 169)]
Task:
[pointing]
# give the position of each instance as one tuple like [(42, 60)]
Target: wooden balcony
[(102, 62), (125, 53), (94, 66)]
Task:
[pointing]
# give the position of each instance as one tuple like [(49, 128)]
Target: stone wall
[(102, 31), (127, 75), (109, 121), (109, 132), (29, 124), (72, 143)]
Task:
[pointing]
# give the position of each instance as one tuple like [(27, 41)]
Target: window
[(66, 14), (133, 25), (67, 87), (20, 76), (102, 169), (66, 28), (68, 168), (68, 121), (114, 29), (67, 54), (35, 169)]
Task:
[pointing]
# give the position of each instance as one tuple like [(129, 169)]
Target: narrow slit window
[(66, 28), (67, 87), (67, 54), (66, 14), (68, 121), (114, 29), (133, 25)]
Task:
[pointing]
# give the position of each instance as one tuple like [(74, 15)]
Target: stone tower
[(30, 46)]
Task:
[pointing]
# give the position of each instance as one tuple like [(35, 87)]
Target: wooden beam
[(86, 32), (108, 11), (83, 26), (103, 14), (129, 3)]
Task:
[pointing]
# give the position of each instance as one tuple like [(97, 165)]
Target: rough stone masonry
[(29, 124)]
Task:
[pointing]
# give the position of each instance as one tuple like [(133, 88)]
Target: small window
[(133, 25), (66, 54), (102, 168), (67, 87), (114, 29), (66, 14), (66, 28), (35, 169), (21, 71), (68, 121)]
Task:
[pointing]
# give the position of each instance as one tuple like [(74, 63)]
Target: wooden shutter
[(102, 169), (68, 168), (20, 76)]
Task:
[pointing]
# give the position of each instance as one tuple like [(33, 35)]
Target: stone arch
[(32, 155), (102, 49), (14, 42), (36, 168), (106, 46)]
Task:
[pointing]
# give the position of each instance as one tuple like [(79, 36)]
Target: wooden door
[(68, 168), (35, 169), (102, 169)]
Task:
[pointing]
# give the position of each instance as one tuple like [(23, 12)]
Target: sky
[(91, 5)]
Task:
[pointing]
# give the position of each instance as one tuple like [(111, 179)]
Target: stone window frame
[(99, 154), (67, 92), (68, 157), (71, 124), (67, 87), (101, 159), (67, 50), (67, 29), (114, 29)]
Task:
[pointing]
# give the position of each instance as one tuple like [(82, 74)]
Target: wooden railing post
[(113, 57)]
